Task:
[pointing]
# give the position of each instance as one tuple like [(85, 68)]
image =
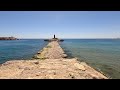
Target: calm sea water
[(102, 54), (19, 49)]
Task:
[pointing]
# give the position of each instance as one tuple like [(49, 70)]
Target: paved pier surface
[(51, 51)]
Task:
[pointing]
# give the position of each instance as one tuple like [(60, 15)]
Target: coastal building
[(53, 39)]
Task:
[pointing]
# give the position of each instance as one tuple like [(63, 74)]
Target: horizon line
[(70, 38)]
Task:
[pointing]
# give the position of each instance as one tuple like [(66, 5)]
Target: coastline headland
[(49, 63), (8, 38)]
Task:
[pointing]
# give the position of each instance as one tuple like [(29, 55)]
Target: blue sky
[(65, 24)]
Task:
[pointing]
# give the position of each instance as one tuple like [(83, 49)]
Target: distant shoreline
[(69, 38), (8, 38), (61, 39)]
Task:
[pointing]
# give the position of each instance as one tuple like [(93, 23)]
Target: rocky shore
[(50, 63), (8, 38)]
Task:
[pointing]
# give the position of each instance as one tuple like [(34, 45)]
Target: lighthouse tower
[(54, 35)]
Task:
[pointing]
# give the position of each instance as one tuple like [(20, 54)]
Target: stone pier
[(49, 63), (51, 51)]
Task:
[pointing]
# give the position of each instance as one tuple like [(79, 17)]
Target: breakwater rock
[(48, 69)]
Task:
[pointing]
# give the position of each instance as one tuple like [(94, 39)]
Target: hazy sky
[(65, 24)]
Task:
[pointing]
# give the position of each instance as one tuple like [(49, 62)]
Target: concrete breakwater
[(49, 63)]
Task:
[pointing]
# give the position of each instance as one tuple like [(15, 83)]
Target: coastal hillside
[(8, 38)]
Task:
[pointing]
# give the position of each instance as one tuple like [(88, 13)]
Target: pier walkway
[(51, 51), (49, 63)]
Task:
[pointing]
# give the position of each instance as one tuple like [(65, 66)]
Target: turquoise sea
[(101, 54), (19, 49)]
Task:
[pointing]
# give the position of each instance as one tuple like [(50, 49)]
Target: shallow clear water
[(102, 54), (19, 49)]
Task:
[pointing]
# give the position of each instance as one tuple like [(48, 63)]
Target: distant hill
[(8, 38)]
